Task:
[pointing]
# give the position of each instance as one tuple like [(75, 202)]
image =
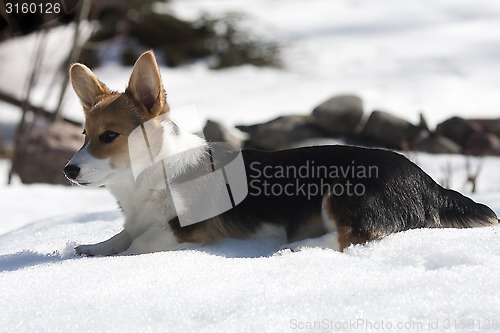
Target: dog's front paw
[(84, 250)]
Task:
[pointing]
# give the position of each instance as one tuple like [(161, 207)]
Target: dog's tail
[(458, 211)]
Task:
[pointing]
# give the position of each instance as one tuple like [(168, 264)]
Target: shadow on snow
[(24, 259)]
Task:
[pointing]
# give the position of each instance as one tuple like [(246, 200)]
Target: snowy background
[(439, 57)]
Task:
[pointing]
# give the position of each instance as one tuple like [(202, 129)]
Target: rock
[(280, 132), (482, 144), (216, 132), (484, 124), (46, 153), (390, 131), (340, 115), (458, 129), (495, 127), (437, 144)]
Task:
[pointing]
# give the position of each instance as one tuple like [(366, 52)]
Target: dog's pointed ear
[(86, 85), (145, 85)]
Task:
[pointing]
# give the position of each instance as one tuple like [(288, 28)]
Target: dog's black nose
[(71, 171)]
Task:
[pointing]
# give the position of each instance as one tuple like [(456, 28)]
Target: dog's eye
[(108, 136), (84, 132)]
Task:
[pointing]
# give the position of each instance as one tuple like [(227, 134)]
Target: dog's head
[(110, 117)]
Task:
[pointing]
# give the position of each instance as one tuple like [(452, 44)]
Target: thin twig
[(7, 98), (472, 176), (74, 54), (21, 132)]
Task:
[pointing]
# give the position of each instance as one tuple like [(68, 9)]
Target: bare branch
[(7, 98)]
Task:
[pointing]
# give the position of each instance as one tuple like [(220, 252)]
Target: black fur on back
[(399, 196)]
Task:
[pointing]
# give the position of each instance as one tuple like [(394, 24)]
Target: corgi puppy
[(184, 194)]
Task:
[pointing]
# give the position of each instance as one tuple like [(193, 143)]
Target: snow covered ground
[(439, 57), (439, 280), (420, 280)]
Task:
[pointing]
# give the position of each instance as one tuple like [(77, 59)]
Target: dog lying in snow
[(325, 196)]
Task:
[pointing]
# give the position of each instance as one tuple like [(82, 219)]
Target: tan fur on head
[(120, 113), (116, 113), (146, 87), (87, 86)]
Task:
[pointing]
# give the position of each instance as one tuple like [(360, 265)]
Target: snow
[(416, 277), (439, 57), (445, 280)]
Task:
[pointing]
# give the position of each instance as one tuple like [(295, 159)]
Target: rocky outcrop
[(387, 130), (339, 115), (339, 120), (216, 132), (482, 144), (46, 153), (281, 132), (437, 144), (458, 129)]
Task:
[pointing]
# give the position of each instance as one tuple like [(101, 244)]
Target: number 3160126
[(32, 8)]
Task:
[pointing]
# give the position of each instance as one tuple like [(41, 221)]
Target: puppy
[(178, 191)]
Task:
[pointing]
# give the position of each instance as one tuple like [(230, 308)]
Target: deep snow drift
[(417, 280), (447, 278)]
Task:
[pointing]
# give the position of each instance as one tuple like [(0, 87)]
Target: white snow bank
[(442, 280), (23, 204), (420, 277)]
